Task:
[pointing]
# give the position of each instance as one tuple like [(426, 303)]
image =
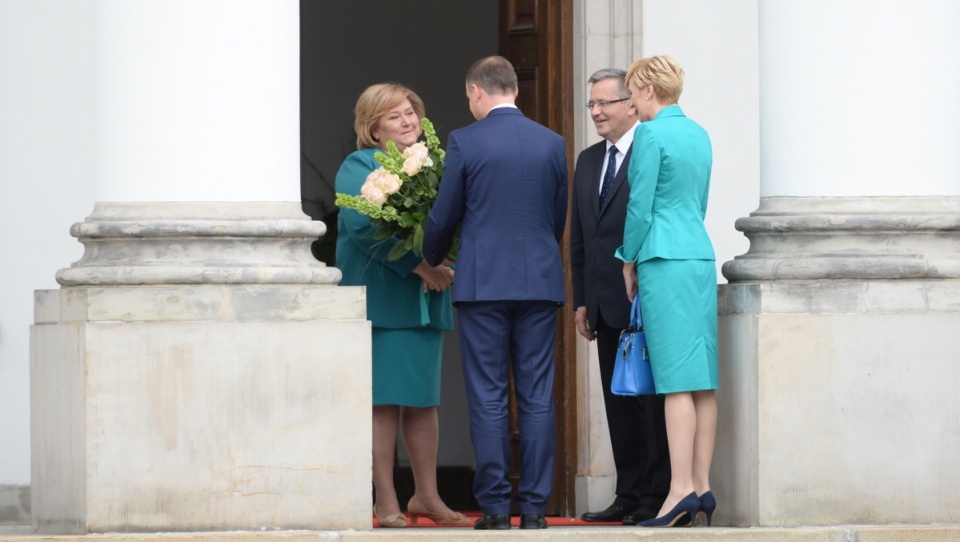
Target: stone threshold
[(841, 533)]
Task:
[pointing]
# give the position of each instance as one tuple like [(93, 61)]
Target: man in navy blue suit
[(505, 183)]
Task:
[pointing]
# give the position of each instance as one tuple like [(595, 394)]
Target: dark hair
[(494, 74)]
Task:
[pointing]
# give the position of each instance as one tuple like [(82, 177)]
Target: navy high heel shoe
[(686, 509), (707, 505)]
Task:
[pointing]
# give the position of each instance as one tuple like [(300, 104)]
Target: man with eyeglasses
[(601, 191)]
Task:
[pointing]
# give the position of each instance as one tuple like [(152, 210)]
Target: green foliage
[(404, 214)]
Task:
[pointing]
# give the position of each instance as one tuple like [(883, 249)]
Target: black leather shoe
[(614, 512), (533, 521), (492, 522), (642, 513)]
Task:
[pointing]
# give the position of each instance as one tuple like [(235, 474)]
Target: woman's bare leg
[(705, 403), (385, 420), (421, 436), (681, 418)]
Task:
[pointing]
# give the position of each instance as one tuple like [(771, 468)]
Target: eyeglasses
[(602, 104)]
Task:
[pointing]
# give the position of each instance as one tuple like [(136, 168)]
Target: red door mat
[(514, 521)]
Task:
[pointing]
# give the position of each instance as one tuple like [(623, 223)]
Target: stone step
[(840, 533)]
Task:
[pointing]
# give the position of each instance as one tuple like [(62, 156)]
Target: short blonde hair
[(663, 72), (374, 103)]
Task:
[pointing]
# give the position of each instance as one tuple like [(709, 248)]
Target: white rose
[(411, 166), (372, 193), (416, 156), (389, 183)]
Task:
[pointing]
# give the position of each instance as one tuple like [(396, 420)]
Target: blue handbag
[(631, 370)]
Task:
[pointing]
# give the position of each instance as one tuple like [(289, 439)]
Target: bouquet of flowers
[(397, 196)]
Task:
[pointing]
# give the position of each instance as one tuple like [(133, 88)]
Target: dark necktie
[(609, 175)]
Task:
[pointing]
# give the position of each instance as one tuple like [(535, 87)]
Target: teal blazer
[(669, 176), (395, 297)]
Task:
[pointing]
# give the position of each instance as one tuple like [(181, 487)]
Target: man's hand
[(630, 279), (583, 328), (437, 278)]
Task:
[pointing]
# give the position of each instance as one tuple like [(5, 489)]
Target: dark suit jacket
[(505, 182), (595, 235)]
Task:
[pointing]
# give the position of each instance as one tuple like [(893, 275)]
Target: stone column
[(198, 369), (607, 34), (840, 328)]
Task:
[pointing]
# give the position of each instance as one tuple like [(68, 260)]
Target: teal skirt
[(678, 302), (406, 366)]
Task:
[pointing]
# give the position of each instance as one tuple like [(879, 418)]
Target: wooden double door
[(428, 45)]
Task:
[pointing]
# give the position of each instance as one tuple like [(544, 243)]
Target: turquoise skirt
[(678, 302), (406, 366)]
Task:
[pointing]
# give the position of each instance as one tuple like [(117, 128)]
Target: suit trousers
[(494, 337), (638, 433)]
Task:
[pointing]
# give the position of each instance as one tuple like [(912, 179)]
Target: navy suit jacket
[(595, 235), (505, 183)]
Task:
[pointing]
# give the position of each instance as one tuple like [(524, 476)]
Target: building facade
[(835, 211)]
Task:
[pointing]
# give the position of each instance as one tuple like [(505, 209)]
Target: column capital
[(197, 243), (850, 238)]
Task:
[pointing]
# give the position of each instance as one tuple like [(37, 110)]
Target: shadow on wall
[(347, 46), (14, 505)]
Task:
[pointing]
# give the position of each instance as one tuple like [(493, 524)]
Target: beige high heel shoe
[(447, 518), (393, 520)]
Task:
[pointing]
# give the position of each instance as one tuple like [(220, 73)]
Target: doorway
[(428, 45)]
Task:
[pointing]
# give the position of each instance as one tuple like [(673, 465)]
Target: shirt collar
[(623, 144)]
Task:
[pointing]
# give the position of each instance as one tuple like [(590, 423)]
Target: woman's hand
[(630, 279), (437, 278)]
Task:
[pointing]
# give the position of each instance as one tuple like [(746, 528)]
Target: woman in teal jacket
[(408, 305), (669, 263)]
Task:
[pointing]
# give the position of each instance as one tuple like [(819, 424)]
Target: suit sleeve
[(561, 203), (447, 210), (577, 256), (350, 178), (642, 176)]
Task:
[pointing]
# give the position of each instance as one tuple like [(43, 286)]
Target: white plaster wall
[(864, 109), (717, 44), (47, 72)]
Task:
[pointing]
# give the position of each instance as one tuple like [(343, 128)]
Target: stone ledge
[(202, 302), (839, 296), (847, 533)]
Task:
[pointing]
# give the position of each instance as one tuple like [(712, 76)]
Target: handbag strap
[(636, 319)]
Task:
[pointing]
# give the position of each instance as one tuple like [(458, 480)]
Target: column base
[(200, 373), (838, 403)]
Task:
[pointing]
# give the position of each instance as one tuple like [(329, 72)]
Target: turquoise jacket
[(395, 297), (669, 178)]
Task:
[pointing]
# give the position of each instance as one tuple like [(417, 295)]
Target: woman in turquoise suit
[(669, 263), (408, 304)]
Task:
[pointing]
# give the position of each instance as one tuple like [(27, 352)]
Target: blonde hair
[(374, 103), (663, 72)]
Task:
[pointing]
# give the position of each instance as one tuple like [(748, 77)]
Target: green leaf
[(397, 251), (382, 233), (418, 239)]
